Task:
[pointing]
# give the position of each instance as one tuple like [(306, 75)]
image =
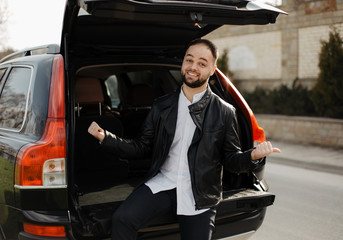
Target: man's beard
[(195, 84)]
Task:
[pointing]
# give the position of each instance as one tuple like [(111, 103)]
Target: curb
[(307, 165)]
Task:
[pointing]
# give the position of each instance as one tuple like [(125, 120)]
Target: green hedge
[(284, 100)]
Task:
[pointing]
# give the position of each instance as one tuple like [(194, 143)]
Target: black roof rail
[(50, 49)]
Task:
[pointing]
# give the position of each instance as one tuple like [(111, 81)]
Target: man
[(192, 134)]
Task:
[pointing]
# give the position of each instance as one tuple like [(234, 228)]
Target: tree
[(4, 14), (3, 11), (327, 94), (223, 64), (6, 52)]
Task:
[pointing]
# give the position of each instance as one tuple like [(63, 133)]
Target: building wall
[(275, 54), (304, 130), (309, 48)]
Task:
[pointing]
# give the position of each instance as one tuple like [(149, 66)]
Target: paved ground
[(307, 156), (308, 205)]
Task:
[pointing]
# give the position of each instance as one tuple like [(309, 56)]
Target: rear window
[(2, 73), (112, 90), (13, 99)]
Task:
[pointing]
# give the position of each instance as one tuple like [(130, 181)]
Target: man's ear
[(214, 69)]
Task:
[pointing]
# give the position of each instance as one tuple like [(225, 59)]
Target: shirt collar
[(196, 97)]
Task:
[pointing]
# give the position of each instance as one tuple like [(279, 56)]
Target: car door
[(174, 23), (197, 11)]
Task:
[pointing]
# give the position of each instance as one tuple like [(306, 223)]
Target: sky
[(34, 23)]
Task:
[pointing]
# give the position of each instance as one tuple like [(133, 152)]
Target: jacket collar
[(198, 109)]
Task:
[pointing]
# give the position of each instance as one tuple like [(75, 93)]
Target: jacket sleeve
[(234, 159), (132, 148)]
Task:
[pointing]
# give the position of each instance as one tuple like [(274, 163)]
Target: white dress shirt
[(174, 173)]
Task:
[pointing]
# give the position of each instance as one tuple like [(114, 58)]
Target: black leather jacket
[(215, 144)]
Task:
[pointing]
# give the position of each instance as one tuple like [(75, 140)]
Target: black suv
[(115, 58)]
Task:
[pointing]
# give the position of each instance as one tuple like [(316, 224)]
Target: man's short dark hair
[(208, 43)]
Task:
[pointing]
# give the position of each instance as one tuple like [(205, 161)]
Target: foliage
[(4, 15), (223, 64), (6, 52), (327, 94), (284, 100)]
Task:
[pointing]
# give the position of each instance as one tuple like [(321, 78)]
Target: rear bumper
[(45, 218), (243, 236), (239, 227), (235, 227), (27, 236)]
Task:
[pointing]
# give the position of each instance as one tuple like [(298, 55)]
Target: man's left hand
[(262, 150)]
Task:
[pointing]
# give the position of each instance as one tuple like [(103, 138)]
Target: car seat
[(91, 162)]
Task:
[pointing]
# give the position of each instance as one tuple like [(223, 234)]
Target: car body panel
[(13, 200)]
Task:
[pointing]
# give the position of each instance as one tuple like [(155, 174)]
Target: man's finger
[(93, 128), (276, 150)]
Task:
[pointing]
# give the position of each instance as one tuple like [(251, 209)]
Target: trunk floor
[(116, 193)]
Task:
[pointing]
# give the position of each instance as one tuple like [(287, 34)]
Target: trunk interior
[(118, 97)]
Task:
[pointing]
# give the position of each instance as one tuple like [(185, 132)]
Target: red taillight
[(47, 231), (31, 157), (57, 91), (257, 132), (32, 168)]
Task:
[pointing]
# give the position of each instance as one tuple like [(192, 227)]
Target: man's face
[(197, 66)]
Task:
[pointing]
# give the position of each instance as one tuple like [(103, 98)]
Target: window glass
[(112, 90), (13, 98), (2, 73), (176, 75), (140, 77)]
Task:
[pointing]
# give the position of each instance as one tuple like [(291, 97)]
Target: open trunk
[(118, 97), (119, 56)]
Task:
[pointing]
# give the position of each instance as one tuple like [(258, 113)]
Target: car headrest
[(140, 95), (88, 90)]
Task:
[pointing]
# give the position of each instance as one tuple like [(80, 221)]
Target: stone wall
[(275, 54), (309, 130)]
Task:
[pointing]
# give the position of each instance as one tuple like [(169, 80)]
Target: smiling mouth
[(192, 74)]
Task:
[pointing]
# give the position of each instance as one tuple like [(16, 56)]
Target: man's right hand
[(96, 131)]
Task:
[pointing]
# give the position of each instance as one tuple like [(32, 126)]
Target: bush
[(284, 100), (327, 94)]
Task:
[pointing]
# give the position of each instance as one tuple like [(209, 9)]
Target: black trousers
[(142, 205)]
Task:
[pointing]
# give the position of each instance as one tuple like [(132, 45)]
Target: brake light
[(257, 132), (47, 231), (31, 167), (43, 163)]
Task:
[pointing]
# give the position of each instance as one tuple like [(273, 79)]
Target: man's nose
[(194, 66)]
